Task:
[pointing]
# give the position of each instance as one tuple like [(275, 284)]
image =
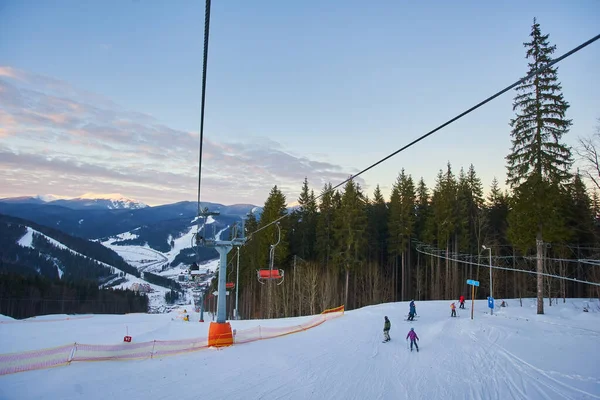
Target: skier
[(412, 312), (386, 330), (412, 335), (453, 308), (462, 301)]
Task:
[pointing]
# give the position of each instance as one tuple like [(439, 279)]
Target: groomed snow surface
[(513, 354)]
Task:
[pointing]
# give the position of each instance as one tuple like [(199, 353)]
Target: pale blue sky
[(104, 96)]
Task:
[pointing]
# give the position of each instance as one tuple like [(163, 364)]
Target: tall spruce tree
[(351, 222), (377, 214), (305, 223), (324, 235), (538, 164), (407, 222)]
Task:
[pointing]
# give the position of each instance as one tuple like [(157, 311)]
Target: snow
[(156, 299), (27, 241), (145, 258), (513, 354), (117, 200)]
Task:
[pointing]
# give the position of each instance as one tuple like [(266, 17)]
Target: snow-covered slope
[(514, 354), (27, 241), (145, 258)]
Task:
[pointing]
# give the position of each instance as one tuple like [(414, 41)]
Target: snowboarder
[(453, 308), (462, 301), (413, 336), (186, 318), (386, 329)]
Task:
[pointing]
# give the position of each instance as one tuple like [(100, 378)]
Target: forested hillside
[(84, 262)]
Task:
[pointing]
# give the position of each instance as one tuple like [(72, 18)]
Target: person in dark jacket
[(386, 329)]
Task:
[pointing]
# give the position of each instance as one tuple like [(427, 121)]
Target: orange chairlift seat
[(270, 275)]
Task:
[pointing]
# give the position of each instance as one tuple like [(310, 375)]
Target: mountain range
[(116, 240), (86, 201)]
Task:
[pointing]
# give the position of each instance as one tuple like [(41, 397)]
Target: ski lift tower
[(219, 333)]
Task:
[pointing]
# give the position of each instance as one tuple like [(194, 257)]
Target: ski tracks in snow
[(544, 385)]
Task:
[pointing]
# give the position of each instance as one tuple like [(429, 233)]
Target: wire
[(508, 269), (204, 65), (520, 81)]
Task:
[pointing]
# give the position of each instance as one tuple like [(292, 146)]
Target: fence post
[(153, 346), (73, 350)]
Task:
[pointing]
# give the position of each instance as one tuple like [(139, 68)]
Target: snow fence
[(64, 355)]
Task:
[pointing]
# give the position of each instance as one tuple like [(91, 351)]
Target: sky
[(104, 97)]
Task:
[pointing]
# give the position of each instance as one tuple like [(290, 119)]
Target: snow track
[(513, 354)]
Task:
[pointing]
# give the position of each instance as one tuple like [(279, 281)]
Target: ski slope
[(513, 354)]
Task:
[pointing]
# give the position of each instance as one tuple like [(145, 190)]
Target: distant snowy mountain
[(23, 200), (88, 201), (100, 201)]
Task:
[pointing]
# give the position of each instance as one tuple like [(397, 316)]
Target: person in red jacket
[(462, 301)]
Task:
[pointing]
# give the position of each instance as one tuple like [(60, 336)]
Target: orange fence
[(64, 355)]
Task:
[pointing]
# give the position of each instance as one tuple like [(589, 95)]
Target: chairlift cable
[(204, 70)]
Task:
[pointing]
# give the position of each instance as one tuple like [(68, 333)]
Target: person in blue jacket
[(413, 311)]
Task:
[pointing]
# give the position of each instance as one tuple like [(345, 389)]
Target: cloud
[(60, 139)]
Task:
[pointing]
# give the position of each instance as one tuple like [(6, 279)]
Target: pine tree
[(497, 211), (350, 235), (407, 224), (324, 233), (305, 223), (579, 209), (377, 213), (423, 210), (444, 212), (538, 164)]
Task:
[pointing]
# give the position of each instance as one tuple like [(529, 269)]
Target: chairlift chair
[(268, 274)]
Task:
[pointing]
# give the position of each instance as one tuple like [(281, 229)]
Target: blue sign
[(472, 282), (490, 302)]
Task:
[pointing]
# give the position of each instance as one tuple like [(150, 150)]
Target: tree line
[(24, 296), (346, 247)]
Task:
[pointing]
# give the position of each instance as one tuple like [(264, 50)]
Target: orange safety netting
[(62, 355), (37, 359)]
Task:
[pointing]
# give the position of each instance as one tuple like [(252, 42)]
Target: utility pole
[(294, 283), (491, 285), (237, 285), (271, 262)]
